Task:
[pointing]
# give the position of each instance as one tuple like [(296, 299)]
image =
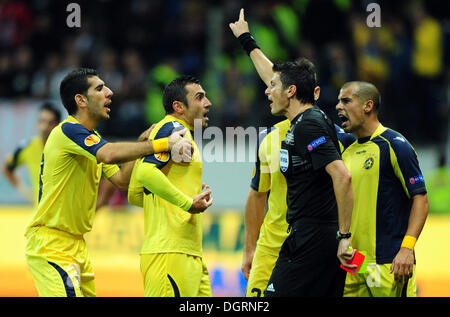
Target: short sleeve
[(87, 142), (406, 167), (161, 159), (261, 174), (314, 140), (108, 170), (15, 160)]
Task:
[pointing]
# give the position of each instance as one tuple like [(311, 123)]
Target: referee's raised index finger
[(241, 14)]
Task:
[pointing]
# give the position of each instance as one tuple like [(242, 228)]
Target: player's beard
[(98, 113)]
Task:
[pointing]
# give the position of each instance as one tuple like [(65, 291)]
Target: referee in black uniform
[(319, 197)]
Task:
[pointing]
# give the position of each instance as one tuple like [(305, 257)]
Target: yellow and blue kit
[(28, 153), (385, 176), (68, 184), (171, 255), (267, 177)]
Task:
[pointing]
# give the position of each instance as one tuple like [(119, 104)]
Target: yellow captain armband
[(409, 242), (160, 145)]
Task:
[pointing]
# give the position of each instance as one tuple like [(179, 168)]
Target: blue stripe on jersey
[(13, 164), (68, 285), (254, 184), (407, 161), (80, 134), (165, 131), (393, 208), (346, 139)]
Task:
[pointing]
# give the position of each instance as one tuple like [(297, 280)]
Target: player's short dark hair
[(176, 91), (49, 106), (301, 73), (75, 82), (366, 91)]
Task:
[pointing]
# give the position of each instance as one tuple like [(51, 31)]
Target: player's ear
[(368, 106), (81, 100), (178, 107)]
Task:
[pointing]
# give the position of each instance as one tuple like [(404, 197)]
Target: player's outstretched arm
[(262, 64), (254, 212), (118, 152)]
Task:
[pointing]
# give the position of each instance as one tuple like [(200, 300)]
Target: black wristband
[(248, 42), (340, 235)]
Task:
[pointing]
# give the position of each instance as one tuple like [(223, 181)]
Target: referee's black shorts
[(307, 264)]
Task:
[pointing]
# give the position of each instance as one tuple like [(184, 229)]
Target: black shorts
[(307, 264)]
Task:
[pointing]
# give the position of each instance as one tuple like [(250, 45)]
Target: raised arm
[(262, 64)]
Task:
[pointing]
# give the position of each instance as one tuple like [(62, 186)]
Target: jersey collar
[(184, 123), (380, 129)]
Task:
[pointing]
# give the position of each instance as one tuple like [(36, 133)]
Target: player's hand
[(346, 253), (202, 201), (144, 135), (240, 26), (403, 265), (247, 263), (175, 137)]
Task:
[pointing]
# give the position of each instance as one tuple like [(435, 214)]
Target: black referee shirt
[(310, 145)]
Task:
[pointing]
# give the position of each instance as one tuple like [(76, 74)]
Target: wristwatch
[(340, 236)]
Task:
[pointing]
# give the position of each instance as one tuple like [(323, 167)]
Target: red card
[(358, 259)]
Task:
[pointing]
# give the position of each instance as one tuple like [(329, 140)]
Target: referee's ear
[(291, 91)]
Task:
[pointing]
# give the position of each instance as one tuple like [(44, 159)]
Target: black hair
[(303, 74), (49, 106), (176, 91), (75, 82)]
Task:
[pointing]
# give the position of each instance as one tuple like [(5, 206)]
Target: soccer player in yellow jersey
[(74, 158), (390, 198), (169, 189), (30, 153)]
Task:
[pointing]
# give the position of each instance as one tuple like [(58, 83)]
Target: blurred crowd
[(138, 46)]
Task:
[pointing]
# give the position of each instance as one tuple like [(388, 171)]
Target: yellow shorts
[(379, 282), (175, 275), (59, 263), (262, 266)]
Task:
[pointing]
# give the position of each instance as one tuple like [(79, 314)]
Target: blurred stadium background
[(138, 46)]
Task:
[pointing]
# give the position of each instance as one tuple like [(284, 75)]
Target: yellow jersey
[(69, 179), (30, 154), (168, 188), (385, 176)]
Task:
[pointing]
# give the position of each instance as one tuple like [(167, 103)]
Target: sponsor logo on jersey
[(163, 156), (316, 143), (91, 140), (416, 179)]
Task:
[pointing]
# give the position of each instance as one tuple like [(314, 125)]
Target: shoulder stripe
[(90, 141)]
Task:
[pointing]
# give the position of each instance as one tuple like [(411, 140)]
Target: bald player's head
[(364, 92)]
